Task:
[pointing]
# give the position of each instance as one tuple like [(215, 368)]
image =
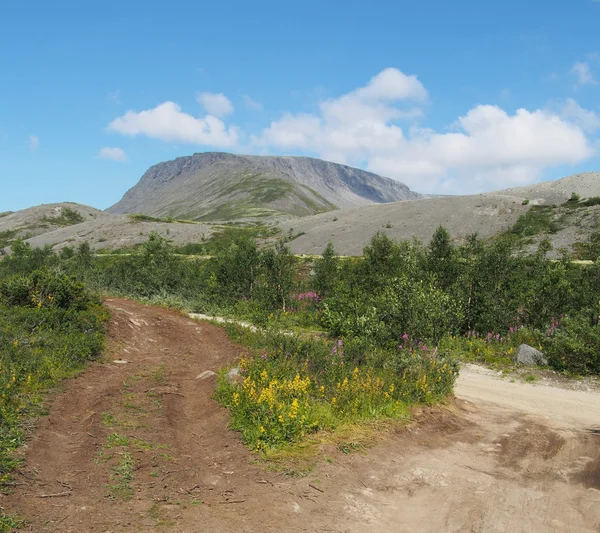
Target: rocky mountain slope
[(350, 229), (219, 186), (559, 191), (485, 214)]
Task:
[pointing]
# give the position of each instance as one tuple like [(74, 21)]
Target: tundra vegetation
[(372, 335)]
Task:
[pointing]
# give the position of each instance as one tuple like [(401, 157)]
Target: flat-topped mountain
[(221, 186)]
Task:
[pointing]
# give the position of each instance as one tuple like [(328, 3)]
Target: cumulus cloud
[(216, 104), (168, 122), (114, 154), (251, 104), (486, 148), (587, 120), (34, 143), (583, 73)]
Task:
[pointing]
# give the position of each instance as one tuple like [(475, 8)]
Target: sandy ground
[(502, 457)]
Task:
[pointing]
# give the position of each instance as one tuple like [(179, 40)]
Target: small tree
[(277, 275), (325, 269), (441, 256)]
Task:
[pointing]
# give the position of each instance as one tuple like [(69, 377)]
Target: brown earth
[(473, 466)]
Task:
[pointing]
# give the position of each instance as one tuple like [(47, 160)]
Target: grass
[(535, 221), (50, 327), (67, 217), (9, 523), (122, 477), (255, 195), (5, 214), (296, 388)]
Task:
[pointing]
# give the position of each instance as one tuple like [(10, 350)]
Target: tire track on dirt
[(136, 444)]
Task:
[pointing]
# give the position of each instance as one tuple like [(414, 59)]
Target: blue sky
[(449, 97)]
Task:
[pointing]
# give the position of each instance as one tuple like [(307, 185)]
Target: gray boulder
[(529, 356), (234, 376)]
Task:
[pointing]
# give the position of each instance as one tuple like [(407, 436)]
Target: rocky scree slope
[(219, 186), (486, 214)]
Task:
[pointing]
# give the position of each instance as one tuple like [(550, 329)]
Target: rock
[(526, 355), (207, 374), (234, 376)]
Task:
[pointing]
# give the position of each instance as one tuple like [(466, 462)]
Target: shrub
[(294, 387), (575, 345), (67, 217), (50, 326)]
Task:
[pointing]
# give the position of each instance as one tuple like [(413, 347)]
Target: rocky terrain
[(219, 186), (299, 185), (486, 214)]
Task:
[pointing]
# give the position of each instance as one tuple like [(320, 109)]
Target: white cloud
[(486, 148), (114, 154), (216, 104), (583, 73), (587, 120), (251, 104), (168, 123), (34, 143)]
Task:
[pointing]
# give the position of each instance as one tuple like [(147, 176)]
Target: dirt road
[(139, 445)]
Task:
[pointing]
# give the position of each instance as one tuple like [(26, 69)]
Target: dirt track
[(498, 460)]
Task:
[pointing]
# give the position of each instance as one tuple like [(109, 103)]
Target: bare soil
[(485, 463)]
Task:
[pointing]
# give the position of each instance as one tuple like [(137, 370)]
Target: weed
[(122, 476), (9, 523), (115, 439)]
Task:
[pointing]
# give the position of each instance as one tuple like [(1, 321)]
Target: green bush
[(575, 345), (293, 387), (50, 326), (67, 217)]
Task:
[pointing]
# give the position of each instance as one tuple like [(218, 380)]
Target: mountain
[(486, 214), (46, 217), (220, 186), (586, 185)]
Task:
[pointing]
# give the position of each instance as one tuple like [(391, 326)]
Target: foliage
[(294, 387), (325, 271), (67, 217), (575, 345), (537, 220), (50, 326)]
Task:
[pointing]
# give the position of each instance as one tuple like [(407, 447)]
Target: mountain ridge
[(218, 185)]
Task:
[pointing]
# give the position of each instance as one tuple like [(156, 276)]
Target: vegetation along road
[(137, 443)]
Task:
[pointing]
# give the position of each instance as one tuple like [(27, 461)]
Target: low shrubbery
[(401, 313), (66, 217), (50, 326), (293, 387)]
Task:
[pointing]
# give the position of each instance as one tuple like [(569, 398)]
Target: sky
[(447, 97)]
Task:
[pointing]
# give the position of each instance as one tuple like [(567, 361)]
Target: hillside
[(549, 215), (45, 218), (485, 214), (70, 224), (557, 191), (220, 186)]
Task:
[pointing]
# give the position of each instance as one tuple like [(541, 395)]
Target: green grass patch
[(258, 192), (50, 327), (67, 217), (6, 213), (122, 476), (294, 388), (9, 523), (537, 220)]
